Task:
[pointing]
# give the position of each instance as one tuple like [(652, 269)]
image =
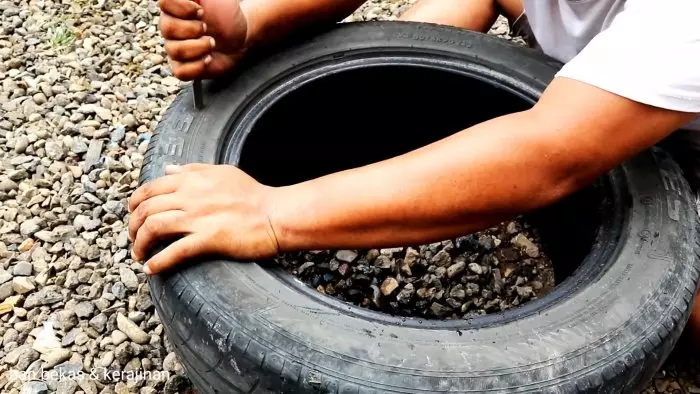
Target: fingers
[(177, 252), (150, 207), (164, 185), (179, 29), (190, 167), (157, 227), (190, 70), (185, 50), (183, 9)]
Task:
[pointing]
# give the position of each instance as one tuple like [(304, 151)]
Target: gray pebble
[(5, 276), (34, 387), (128, 277), (29, 227), (98, 322), (6, 291), (347, 256), (85, 309), (8, 185), (131, 330), (22, 268), (21, 144)]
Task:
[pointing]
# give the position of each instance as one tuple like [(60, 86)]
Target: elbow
[(568, 178)]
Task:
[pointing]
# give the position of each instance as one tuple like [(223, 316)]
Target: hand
[(217, 208), (203, 41)]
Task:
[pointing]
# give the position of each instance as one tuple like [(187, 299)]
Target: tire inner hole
[(360, 116)]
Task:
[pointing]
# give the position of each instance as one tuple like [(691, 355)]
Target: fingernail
[(212, 42), (172, 168), (207, 59), (200, 13), (204, 27), (147, 269)]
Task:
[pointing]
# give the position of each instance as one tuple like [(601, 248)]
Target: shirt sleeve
[(650, 53)]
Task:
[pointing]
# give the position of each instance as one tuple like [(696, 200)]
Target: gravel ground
[(84, 82), (485, 272)]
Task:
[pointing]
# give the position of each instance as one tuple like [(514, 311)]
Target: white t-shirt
[(644, 50)]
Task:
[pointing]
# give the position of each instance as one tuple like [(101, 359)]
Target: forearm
[(475, 178), (270, 20), (455, 186)]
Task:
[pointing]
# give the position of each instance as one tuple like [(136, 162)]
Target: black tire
[(241, 328)]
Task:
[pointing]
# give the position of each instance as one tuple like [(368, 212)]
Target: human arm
[(475, 178), (208, 40)]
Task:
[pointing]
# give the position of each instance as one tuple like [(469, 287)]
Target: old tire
[(248, 328)]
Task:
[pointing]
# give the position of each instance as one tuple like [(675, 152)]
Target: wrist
[(286, 213), (273, 209)]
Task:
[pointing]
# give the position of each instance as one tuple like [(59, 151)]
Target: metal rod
[(197, 86), (197, 93)]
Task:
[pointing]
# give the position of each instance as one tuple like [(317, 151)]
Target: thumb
[(178, 252)]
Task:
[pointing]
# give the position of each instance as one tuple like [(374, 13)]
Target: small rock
[(389, 285), (29, 227), (440, 310), (8, 185), (20, 147), (66, 386), (304, 267), (486, 242), (119, 290), (22, 285), (40, 98), (128, 277), (107, 359), (347, 256), (404, 296), (512, 228), (85, 309), (66, 320), (22, 268), (47, 236), (458, 292), (170, 362), (98, 322), (34, 387), (177, 384), (54, 357), (475, 268), (118, 337), (344, 269), (441, 259), (456, 269), (6, 291), (384, 262), (4, 276), (131, 330), (525, 244)]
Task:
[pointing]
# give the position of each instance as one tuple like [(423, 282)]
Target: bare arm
[(480, 176), (270, 20), (492, 171)]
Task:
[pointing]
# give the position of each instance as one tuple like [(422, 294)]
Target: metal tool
[(197, 86), (197, 93)]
